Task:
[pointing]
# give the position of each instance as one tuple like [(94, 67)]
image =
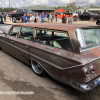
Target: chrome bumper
[(85, 87)]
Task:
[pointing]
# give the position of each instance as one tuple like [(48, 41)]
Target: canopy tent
[(60, 10)]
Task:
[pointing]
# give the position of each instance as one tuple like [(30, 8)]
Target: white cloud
[(21, 3), (92, 1), (7, 3)]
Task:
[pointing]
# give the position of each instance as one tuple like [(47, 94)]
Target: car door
[(2, 36), (23, 44), (9, 41)]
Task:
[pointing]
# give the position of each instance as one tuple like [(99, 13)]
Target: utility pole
[(70, 4), (9, 5)]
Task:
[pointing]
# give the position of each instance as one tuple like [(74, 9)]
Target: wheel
[(37, 68), (92, 19), (14, 20)]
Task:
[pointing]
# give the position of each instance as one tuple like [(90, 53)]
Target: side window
[(53, 38), (26, 33), (14, 31)]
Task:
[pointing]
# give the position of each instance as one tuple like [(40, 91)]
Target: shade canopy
[(60, 10)]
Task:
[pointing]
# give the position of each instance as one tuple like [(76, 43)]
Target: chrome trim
[(85, 70), (91, 70), (89, 48), (56, 66), (84, 87)]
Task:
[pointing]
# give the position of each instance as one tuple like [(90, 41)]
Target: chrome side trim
[(56, 66), (89, 48)]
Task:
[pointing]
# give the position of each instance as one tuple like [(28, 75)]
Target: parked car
[(68, 53), (1, 20), (19, 13), (88, 16)]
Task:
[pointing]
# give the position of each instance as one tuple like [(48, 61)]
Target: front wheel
[(91, 19), (37, 68), (14, 20)]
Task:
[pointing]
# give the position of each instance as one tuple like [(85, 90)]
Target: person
[(76, 15), (97, 21), (70, 19), (32, 18), (56, 16), (51, 16), (64, 19), (48, 16), (9, 16), (28, 17), (23, 19), (46, 19), (42, 17), (38, 18), (5, 17)]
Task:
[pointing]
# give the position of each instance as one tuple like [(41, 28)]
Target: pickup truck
[(19, 13), (88, 16)]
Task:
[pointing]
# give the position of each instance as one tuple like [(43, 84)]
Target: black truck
[(88, 16), (19, 13)]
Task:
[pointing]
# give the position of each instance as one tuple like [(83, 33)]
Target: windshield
[(27, 10), (90, 13), (89, 38)]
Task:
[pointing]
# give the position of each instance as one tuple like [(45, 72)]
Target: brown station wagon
[(68, 53)]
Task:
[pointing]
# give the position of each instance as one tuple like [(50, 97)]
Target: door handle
[(12, 41), (26, 46)]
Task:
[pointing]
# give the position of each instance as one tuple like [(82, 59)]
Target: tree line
[(73, 6), (7, 9)]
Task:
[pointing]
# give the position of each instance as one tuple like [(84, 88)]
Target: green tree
[(91, 6)]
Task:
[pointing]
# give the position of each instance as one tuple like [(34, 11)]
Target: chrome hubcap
[(36, 67)]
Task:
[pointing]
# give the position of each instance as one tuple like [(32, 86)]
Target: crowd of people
[(47, 17), (30, 18)]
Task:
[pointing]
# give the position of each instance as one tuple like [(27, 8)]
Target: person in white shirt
[(77, 15), (74, 14), (38, 18), (32, 18)]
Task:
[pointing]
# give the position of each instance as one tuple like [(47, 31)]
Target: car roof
[(55, 26)]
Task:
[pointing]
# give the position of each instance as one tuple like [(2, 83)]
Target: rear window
[(91, 38)]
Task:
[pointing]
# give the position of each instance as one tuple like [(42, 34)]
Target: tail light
[(86, 72), (92, 69)]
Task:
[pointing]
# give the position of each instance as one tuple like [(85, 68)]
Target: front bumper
[(85, 87)]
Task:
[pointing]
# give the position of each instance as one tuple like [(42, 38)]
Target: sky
[(22, 3)]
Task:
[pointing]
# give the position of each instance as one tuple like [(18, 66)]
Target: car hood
[(5, 28)]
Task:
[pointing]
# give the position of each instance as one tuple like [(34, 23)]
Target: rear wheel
[(14, 20), (91, 19), (37, 68)]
